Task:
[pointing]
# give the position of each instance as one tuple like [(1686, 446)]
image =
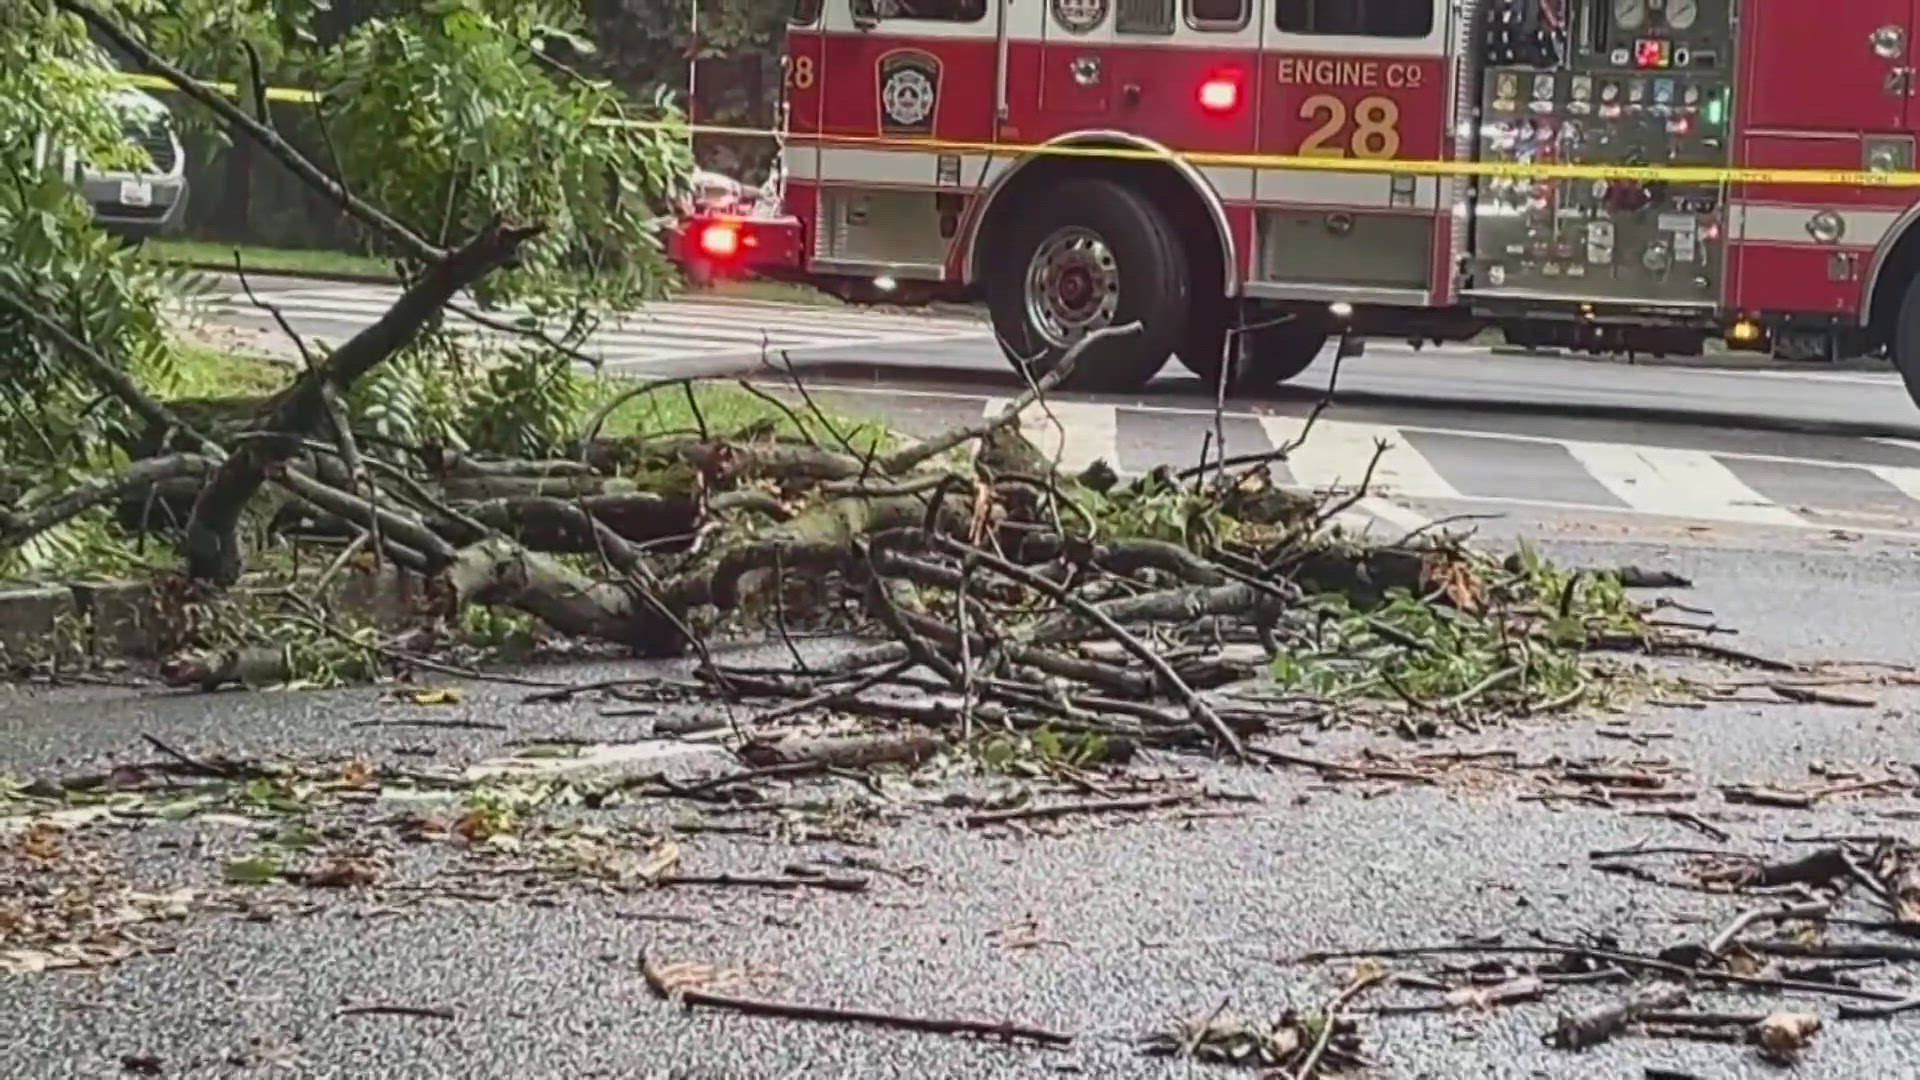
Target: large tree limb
[(1183, 606), (384, 521), (236, 117), (499, 572), (819, 539), (19, 527), (211, 547), (535, 522)]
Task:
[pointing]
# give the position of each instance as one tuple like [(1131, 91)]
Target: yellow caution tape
[(274, 93), (1673, 174)]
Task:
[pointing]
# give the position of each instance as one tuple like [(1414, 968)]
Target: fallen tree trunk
[(499, 572), (639, 517)]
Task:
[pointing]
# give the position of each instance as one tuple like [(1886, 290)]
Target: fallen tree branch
[(689, 996), (854, 751), (210, 546), (1198, 709), (913, 456), (17, 527)]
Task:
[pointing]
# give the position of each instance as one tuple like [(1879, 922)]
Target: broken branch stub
[(211, 545)]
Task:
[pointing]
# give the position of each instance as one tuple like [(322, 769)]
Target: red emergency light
[(719, 240), (1220, 94)]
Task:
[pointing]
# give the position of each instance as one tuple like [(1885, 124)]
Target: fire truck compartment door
[(1822, 66), (911, 78), (1076, 80)]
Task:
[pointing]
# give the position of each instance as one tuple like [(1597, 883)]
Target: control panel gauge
[(1629, 14), (1682, 14)]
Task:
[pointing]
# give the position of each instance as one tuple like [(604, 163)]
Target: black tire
[(1148, 269), (1271, 352), (1905, 347)]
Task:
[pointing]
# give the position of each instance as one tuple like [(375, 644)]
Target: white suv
[(136, 205)]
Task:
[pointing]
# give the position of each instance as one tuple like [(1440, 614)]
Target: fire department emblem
[(909, 91), (1079, 16)]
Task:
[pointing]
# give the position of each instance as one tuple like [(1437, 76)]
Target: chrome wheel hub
[(1073, 286)]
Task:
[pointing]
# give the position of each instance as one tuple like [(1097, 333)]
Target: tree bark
[(19, 527), (499, 572), (211, 547)]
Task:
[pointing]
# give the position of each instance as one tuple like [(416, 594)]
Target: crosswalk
[(639, 341), (1422, 470)]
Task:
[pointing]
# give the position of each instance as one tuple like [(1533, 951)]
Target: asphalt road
[(1111, 929)]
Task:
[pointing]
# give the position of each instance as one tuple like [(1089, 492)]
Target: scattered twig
[(1058, 810), (1330, 1016), (1577, 1031), (193, 764), (424, 1012), (662, 987), (849, 883)]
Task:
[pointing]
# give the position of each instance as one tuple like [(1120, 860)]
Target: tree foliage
[(446, 115), (653, 46), (61, 101)]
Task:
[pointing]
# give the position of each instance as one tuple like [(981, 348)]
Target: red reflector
[(1220, 94), (718, 241)]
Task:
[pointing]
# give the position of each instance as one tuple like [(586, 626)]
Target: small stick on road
[(193, 764), (834, 884), (661, 987), (396, 1010), (1096, 806), (1329, 1019)]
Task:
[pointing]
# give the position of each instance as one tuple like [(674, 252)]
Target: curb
[(129, 620)]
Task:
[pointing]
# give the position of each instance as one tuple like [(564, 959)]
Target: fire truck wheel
[(1270, 354), (1905, 348), (1090, 254)]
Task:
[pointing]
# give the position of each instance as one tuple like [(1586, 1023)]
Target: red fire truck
[(1080, 163)]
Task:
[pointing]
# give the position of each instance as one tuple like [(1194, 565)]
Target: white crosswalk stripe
[(668, 330), (1335, 457), (1684, 485), (1071, 434), (1678, 483)]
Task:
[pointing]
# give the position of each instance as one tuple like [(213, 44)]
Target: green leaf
[(258, 870)]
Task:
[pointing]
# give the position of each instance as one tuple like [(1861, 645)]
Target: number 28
[(799, 71), (1376, 128)]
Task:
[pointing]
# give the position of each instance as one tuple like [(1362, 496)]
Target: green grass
[(203, 371), (725, 409), (267, 260)]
